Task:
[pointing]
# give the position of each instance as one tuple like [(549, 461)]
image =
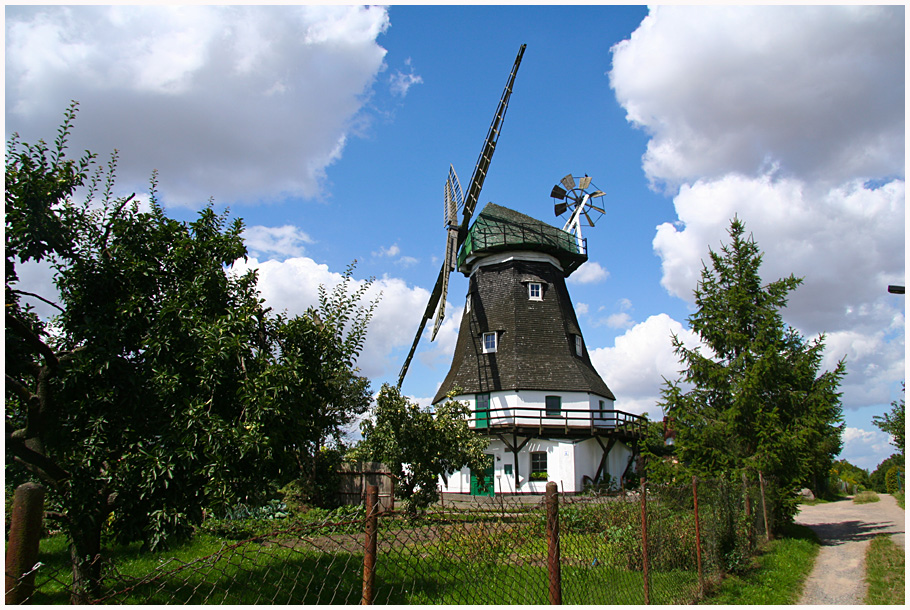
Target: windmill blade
[(597, 193), (456, 187), (470, 202), (558, 192), (450, 207), (560, 208), (569, 182), (486, 154), (590, 222), (595, 208), (427, 314), (584, 183)]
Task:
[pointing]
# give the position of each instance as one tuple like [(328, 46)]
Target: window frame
[(551, 412), (540, 455), (483, 341), (579, 346), (531, 295)]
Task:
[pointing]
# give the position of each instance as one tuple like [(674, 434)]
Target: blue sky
[(330, 131)]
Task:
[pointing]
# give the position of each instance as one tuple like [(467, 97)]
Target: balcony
[(538, 422)]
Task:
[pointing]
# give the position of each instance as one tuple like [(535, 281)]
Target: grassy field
[(777, 575), (885, 572), (464, 567)]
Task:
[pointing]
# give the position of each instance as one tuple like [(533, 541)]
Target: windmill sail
[(470, 202)]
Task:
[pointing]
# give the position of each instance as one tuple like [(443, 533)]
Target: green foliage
[(163, 388), (895, 480), (877, 478), (893, 423), (419, 446), (852, 478), (754, 399)]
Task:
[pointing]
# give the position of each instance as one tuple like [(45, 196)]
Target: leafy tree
[(877, 478), (755, 401), (893, 423), (854, 476), (418, 445), (163, 387)]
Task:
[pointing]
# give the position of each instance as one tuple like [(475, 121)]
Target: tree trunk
[(85, 552)]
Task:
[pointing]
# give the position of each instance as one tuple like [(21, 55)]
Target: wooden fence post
[(369, 547), (644, 538), (24, 537), (701, 573), (553, 561)]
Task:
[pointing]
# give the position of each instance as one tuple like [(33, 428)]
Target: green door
[(482, 483)]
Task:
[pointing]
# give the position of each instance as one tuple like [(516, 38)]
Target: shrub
[(865, 497), (894, 480)]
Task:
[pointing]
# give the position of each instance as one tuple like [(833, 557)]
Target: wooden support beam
[(603, 459)]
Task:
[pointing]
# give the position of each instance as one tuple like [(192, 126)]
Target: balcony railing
[(568, 419)]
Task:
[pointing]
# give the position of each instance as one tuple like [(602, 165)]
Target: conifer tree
[(752, 398)]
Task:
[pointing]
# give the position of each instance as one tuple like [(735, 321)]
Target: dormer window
[(489, 343), (467, 304), (535, 291), (579, 346)]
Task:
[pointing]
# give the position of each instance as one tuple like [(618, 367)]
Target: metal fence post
[(24, 537), (553, 562), (764, 505), (369, 547), (644, 539), (701, 573)]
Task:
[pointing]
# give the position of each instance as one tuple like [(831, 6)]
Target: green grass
[(900, 499), (777, 575), (865, 497), (885, 572)]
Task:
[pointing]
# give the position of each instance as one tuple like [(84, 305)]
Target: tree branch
[(39, 464), (22, 329), (39, 297)]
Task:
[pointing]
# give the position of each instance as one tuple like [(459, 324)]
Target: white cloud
[(639, 361), (620, 320), (391, 251), (791, 118), (589, 273), (284, 241), (292, 285), (581, 309), (400, 83), (866, 448), (240, 103), (817, 91)]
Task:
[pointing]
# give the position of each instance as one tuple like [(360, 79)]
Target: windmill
[(578, 199), (456, 233)]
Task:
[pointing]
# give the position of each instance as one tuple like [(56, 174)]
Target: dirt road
[(845, 530)]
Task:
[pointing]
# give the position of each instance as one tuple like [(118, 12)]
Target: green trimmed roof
[(499, 229)]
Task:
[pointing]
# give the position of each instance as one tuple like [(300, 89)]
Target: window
[(579, 346), (467, 304), (603, 409), (554, 406), (538, 464), (489, 343), (535, 291)]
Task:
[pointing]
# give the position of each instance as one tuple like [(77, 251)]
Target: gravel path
[(846, 530)]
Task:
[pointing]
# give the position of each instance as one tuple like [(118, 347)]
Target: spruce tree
[(752, 398)]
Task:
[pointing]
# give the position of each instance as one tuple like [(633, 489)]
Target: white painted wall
[(567, 463)]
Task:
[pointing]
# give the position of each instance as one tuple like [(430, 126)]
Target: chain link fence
[(659, 544)]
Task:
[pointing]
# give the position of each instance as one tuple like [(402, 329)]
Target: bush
[(865, 497), (894, 480)]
